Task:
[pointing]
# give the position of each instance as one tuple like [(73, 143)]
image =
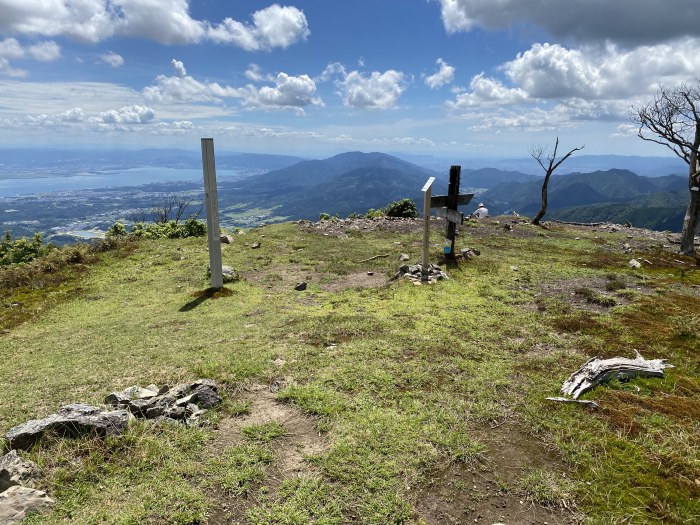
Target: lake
[(103, 179)]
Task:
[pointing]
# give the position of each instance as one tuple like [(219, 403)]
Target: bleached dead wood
[(597, 371), (591, 404), (373, 258)]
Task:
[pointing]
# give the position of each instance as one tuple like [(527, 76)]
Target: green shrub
[(170, 230), (116, 230), (22, 250), (402, 208), (372, 213)]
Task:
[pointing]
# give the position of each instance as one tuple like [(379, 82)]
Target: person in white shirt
[(480, 212)]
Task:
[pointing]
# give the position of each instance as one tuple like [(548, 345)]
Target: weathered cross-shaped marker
[(212, 204), (447, 208)]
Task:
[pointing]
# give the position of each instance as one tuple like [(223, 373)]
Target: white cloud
[(254, 73), (127, 115), (183, 88), (443, 76), (113, 59), (628, 21), (289, 92), (11, 49), (45, 51), (374, 91), (274, 26), (553, 71), (165, 21), (486, 91)]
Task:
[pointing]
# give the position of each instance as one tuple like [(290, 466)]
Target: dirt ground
[(302, 440), (488, 493)]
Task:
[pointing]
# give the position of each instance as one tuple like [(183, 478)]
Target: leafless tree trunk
[(672, 119), (549, 165)]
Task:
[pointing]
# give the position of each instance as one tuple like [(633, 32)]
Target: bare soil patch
[(356, 280), (491, 492), (302, 440), (584, 293)]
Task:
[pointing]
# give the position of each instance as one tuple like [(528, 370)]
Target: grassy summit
[(361, 400)]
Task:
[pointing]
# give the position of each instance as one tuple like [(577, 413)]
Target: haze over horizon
[(433, 77)]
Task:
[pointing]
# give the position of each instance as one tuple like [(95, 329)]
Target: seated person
[(480, 212)]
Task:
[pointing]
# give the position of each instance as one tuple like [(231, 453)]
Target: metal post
[(212, 204), (427, 190), (452, 200)]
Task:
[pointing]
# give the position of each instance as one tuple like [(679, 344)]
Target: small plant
[(403, 208), (264, 432), (372, 213), (116, 230), (22, 250)]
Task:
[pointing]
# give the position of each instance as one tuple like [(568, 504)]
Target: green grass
[(398, 378)]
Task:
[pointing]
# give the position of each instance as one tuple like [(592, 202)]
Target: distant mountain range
[(347, 183), (290, 188)]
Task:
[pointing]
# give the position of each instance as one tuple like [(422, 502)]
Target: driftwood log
[(597, 371)]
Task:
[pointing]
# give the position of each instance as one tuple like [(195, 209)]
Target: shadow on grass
[(203, 295)]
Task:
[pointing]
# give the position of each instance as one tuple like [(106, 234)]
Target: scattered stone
[(370, 273), (72, 421), (132, 393), (468, 253), (255, 245), (229, 274), (577, 238), (508, 227), (404, 257), (226, 239), (300, 287), (634, 263), (205, 382), (416, 274), (515, 268), (17, 471), (17, 502), (627, 248), (150, 403)]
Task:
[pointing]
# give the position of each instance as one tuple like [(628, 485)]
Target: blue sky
[(316, 77)]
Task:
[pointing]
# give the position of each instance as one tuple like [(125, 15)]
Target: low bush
[(22, 250), (403, 208)]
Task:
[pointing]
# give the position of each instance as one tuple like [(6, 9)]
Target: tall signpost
[(447, 208), (212, 207), (425, 262)]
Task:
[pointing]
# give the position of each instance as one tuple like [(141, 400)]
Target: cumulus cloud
[(127, 115), (443, 76), (361, 91), (113, 59), (274, 26), (552, 71), (288, 92), (183, 88), (166, 22), (488, 91), (12, 49), (45, 51), (623, 21)]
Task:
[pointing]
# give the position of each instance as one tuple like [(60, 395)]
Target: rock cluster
[(72, 421), (183, 403), (18, 497), (415, 273)]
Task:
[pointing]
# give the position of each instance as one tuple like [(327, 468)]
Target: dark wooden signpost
[(447, 208)]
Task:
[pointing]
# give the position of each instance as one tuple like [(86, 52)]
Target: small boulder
[(255, 245), (17, 502), (132, 393), (404, 257), (300, 287), (17, 471), (634, 263), (225, 239)]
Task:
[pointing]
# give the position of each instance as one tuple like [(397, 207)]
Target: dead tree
[(672, 119), (552, 163)]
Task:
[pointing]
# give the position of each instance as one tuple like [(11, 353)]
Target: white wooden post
[(427, 189), (212, 204)]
